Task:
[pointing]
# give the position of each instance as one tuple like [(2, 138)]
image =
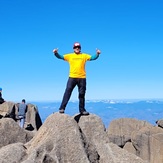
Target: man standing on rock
[(22, 109), (77, 75)]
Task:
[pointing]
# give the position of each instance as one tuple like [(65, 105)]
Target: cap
[(0, 89), (77, 44)]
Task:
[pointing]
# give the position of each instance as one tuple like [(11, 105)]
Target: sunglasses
[(77, 47)]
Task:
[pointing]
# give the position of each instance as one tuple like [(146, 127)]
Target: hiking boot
[(84, 113), (61, 111)]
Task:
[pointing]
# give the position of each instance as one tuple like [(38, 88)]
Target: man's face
[(77, 49)]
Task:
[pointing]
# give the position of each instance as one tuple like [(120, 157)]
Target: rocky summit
[(77, 139)]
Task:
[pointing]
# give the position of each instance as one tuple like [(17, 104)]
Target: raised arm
[(55, 51), (94, 57)]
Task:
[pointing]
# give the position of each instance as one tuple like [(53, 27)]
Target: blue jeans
[(21, 121), (71, 83)]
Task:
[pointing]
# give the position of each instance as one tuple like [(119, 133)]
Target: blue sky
[(128, 33)]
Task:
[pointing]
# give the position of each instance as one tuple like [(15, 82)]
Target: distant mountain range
[(148, 110)]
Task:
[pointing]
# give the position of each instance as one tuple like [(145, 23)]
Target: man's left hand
[(98, 51)]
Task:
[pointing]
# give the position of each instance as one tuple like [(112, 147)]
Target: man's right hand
[(55, 50)]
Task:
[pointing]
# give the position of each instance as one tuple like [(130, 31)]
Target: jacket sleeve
[(94, 57), (59, 56)]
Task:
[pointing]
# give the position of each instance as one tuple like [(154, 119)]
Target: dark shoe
[(61, 111), (84, 113)]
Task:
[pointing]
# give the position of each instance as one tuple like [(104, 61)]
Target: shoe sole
[(61, 111), (84, 113)]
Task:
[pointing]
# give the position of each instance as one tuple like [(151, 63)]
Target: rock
[(160, 123), (10, 110), (7, 109), (122, 156), (58, 140), (12, 153), (138, 137), (156, 148), (130, 148), (62, 139), (11, 133), (32, 117), (93, 129), (147, 141), (120, 130)]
